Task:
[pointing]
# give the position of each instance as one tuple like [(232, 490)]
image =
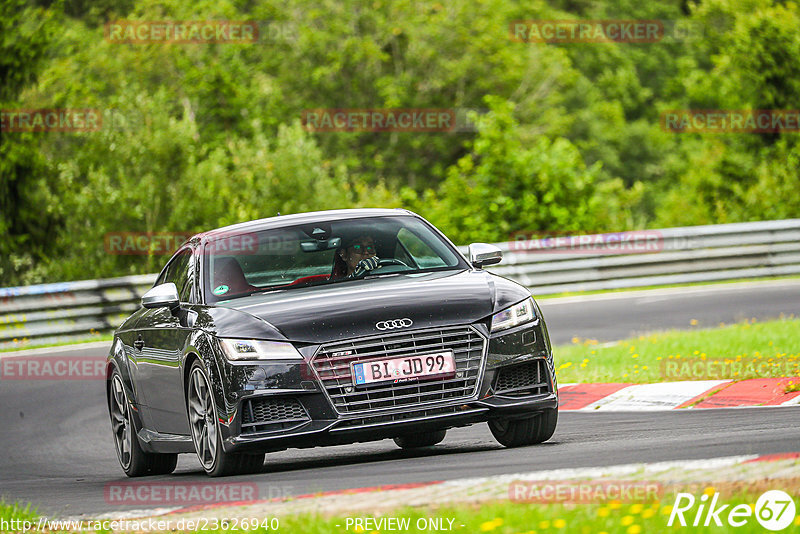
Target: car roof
[(280, 221)]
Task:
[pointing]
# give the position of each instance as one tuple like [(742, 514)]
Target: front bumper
[(516, 380), (325, 432)]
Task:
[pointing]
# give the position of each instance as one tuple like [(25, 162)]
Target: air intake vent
[(272, 413), (529, 378)]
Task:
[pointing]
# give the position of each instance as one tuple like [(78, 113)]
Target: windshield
[(240, 264)]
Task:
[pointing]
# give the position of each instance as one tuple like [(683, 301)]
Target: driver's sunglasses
[(364, 249)]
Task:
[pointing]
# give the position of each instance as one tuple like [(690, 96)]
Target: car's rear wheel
[(133, 460), (422, 439), (205, 431), (520, 432)]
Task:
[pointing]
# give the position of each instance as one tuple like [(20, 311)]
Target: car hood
[(351, 309)]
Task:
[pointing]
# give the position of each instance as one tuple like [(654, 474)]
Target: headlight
[(515, 315), (252, 349)]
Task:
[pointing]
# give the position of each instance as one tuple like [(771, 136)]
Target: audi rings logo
[(394, 323)]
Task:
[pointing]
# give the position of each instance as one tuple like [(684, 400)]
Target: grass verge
[(10, 512), (499, 517), (508, 517), (744, 350)]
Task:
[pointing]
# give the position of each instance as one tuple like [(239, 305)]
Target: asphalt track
[(612, 316), (56, 449)]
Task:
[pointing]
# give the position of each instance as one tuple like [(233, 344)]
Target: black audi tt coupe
[(325, 328)]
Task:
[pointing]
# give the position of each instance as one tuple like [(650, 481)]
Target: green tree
[(24, 224), (504, 186)]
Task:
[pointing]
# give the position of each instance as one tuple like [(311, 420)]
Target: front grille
[(272, 413), (529, 378), (332, 364)]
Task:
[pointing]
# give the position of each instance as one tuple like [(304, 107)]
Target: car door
[(162, 338)]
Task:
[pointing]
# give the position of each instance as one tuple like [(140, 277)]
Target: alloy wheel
[(201, 417), (121, 422)]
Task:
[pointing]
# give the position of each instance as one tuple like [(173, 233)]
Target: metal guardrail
[(54, 313), (668, 256), (66, 311)]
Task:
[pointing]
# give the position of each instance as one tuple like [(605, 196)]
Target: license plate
[(404, 368)]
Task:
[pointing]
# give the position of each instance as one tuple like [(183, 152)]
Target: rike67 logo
[(774, 510)]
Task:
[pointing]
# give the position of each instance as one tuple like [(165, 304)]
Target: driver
[(355, 258)]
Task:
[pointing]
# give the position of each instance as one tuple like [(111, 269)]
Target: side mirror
[(162, 296), (482, 254)]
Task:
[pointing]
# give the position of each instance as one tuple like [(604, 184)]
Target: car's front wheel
[(133, 460), (205, 431), (422, 439), (520, 432)]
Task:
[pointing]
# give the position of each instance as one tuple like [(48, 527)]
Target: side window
[(163, 276), (423, 254), (180, 271), (400, 253), (186, 291)]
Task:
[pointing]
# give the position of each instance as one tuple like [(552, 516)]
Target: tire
[(251, 463), (520, 432), (133, 460), (206, 435), (424, 439)]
